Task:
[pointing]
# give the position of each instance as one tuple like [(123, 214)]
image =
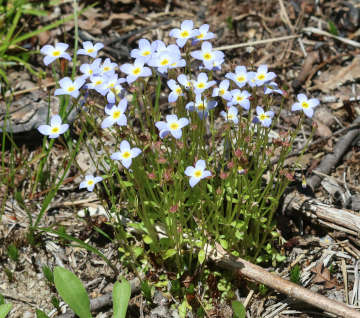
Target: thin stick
[(262, 276), (339, 38), (234, 46)]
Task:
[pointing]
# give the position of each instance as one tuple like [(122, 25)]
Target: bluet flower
[(204, 34), (136, 70), (126, 154), (207, 55), (97, 83), (55, 129), (201, 106), (240, 77), (262, 75), (172, 126), (69, 87), (305, 104), (184, 81), (90, 49), (231, 114), (52, 53), (263, 117), (185, 32), (201, 84), (144, 51), (90, 182), (176, 91), (272, 87), (90, 69), (223, 90), (197, 173), (115, 115), (240, 98), (107, 67)]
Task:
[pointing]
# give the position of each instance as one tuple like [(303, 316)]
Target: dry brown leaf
[(327, 81), (322, 130), (121, 16)]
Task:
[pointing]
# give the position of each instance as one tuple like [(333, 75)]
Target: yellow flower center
[(230, 116), (262, 117), (261, 77), (184, 34), (174, 126), (146, 53), (178, 91), (207, 56), (71, 89), (90, 50), (98, 82), (136, 71), (201, 106), (90, 72), (126, 155), (201, 85), (55, 130), (239, 98), (305, 105), (200, 36), (240, 78), (221, 91), (198, 173), (116, 114), (56, 53), (90, 182), (106, 68), (164, 62)]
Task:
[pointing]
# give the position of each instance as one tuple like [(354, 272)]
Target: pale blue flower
[(52, 53), (55, 129), (201, 106), (201, 83), (126, 154), (115, 115), (90, 49), (240, 77), (136, 70), (240, 98), (207, 55), (90, 69), (223, 90), (144, 51), (272, 87), (90, 182), (263, 117), (197, 173), (262, 75), (176, 91), (184, 81), (305, 104), (231, 114), (204, 34), (107, 67), (172, 126), (185, 32), (69, 87)]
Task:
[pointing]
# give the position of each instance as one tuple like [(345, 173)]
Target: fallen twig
[(330, 160), (260, 275), (339, 38)]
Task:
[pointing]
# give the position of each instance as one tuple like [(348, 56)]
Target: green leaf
[(41, 314), (147, 239), (121, 297), (201, 256), (4, 310), (333, 29), (239, 309), (72, 292), (2, 300), (169, 253), (48, 274)]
